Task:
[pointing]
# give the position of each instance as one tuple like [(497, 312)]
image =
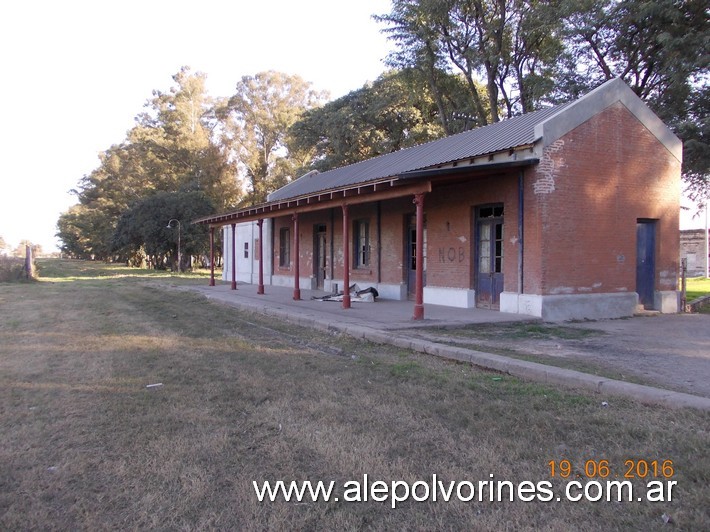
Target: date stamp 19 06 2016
[(630, 469)]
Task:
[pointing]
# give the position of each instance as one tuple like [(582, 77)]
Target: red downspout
[(296, 260), (260, 288), (211, 255), (419, 294), (346, 257), (234, 257)]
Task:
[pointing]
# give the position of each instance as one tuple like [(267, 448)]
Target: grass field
[(697, 287), (86, 445)]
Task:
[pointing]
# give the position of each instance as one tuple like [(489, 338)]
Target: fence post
[(29, 269), (683, 270)]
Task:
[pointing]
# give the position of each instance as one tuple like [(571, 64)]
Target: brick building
[(565, 213)]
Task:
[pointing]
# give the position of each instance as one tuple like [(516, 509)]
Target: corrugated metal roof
[(501, 136)]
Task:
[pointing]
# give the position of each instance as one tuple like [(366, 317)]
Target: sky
[(75, 73)]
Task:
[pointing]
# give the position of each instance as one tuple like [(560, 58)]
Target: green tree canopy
[(256, 121), (395, 111), (509, 47), (142, 231)]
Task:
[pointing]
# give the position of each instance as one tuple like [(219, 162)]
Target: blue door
[(489, 256), (646, 261)]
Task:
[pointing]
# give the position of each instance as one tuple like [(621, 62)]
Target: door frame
[(320, 239), (410, 228), (646, 262), (495, 278)]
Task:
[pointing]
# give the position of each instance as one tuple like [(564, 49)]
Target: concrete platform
[(383, 314), (390, 322)]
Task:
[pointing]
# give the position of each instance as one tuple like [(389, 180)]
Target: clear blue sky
[(76, 73)]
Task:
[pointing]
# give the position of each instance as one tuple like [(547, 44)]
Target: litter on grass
[(154, 385)]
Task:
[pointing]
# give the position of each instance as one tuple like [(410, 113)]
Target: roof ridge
[(451, 136), (492, 138)]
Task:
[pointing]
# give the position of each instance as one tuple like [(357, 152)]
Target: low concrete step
[(640, 311)]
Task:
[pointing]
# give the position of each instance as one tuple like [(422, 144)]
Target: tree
[(257, 119), (533, 64), (85, 232), (21, 249), (418, 49), (142, 231), (395, 111), (3, 245), (661, 48), (509, 46), (174, 147), (695, 129)]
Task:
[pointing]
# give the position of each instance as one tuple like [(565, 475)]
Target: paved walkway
[(383, 315), (667, 349)]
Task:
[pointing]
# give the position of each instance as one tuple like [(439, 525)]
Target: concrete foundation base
[(398, 292), (450, 297), (668, 302), (570, 307), (287, 280)]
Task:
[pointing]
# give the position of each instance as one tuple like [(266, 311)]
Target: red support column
[(260, 288), (419, 290), (211, 255), (234, 257), (346, 257), (296, 260)]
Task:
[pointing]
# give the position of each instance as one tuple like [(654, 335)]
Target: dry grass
[(85, 445), (12, 269)]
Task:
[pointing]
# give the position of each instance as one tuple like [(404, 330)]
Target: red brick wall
[(450, 229), (394, 215), (582, 203)]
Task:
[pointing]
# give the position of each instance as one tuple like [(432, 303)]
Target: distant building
[(569, 212), (693, 248)]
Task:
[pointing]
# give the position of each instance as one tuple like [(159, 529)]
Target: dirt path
[(669, 351)]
